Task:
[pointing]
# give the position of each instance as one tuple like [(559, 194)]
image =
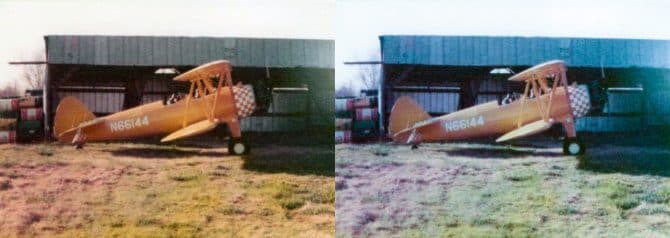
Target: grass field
[(149, 190), (479, 189)]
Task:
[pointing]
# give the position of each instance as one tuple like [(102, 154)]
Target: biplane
[(547, 100), (205, 107)]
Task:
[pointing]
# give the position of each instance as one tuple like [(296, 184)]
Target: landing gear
[(238, 146), (79, 146), (414, 147), (573, 146)]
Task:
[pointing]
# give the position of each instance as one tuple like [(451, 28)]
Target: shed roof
[(523, 51), (188, 51)]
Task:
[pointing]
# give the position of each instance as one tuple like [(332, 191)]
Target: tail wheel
[(573, 146), (238, 147)]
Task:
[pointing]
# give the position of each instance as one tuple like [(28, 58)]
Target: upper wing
[(192, 130)]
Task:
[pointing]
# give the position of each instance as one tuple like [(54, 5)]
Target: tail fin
[(69, 114), (404, 114)]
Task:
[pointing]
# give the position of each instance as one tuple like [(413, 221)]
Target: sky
[(25, 22), (359, 23)]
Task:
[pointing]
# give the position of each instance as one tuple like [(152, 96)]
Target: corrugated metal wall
[(523, 51), (98, 102), (431, 102), (491, 90), (631, 110), (189, 51)]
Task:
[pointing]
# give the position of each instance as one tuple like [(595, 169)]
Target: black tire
[(79, 146), (238, 147), (414, 147), (573, 146)]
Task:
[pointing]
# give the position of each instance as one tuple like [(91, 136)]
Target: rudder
[(404, 114), (70, 113)]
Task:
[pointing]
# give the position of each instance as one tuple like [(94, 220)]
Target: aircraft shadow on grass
[(320, 162), (626, 162), (499, 153), (163, 153)]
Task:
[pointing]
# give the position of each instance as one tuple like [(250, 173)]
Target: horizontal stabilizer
[(526, 130), (191, 130)]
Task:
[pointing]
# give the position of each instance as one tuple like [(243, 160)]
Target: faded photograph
[(167, 119), (502, 119)]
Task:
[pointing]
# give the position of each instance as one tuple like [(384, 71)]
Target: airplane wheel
[(573, 146), (238, 147), (414, 147), (79, 146)]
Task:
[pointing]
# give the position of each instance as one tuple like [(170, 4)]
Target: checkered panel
[(579, 101), (245, 102)]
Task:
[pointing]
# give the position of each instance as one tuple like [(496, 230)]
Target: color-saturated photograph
[(167, 119), (502, 119)]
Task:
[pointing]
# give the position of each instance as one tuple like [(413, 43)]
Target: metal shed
[(446, 73), (111, 73)]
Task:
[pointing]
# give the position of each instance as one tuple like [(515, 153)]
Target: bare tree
[(33, 74), (344, 91), (369, 75), (9, 91)]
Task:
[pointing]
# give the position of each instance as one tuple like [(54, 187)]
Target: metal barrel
[(29, 102), (364, 128), (7, 124), (364, 102), (366, 114), (29, 130), (343, 105), (28, 114), (9, 104), (9, 114), (343, 123), (342, 137), (7, 137)]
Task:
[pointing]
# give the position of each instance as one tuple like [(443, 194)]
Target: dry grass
[(165, 191), (485, 190)]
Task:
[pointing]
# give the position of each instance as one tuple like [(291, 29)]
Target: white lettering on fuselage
[(457, 125), (128, 124)]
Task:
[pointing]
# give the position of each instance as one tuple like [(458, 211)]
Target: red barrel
[(28, 114), (366, 114), (29, 102), (9, 104), (365, 102), (342, 136), (7, 137), (342, 123), (343, 105)]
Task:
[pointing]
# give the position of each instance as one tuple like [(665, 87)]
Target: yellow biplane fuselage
[(154, 118), (205, 107), (540, 107)]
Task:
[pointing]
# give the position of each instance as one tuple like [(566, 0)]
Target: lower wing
[(192, 130)]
